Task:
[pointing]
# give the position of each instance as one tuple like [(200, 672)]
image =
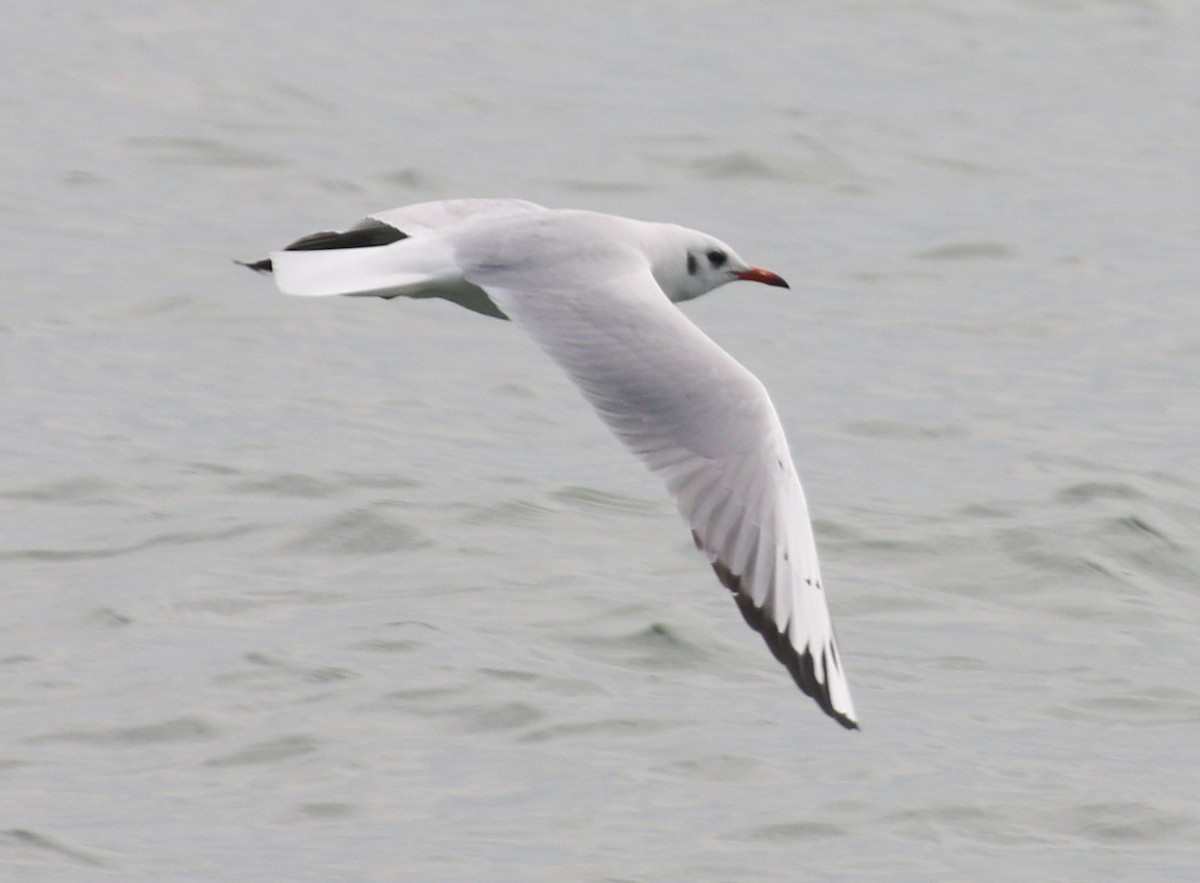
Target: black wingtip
[(367, 233), (800, 666), (263, 266)]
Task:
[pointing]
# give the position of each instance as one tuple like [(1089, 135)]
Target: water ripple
[(36, 842), (270, 751), (179, 729), (362, 531)]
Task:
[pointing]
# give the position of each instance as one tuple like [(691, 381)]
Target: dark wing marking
[(799, 665), (365, 234)]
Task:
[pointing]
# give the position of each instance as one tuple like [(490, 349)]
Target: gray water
[(346, 590)]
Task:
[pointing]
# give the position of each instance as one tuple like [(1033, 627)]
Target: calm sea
[(302, 590)]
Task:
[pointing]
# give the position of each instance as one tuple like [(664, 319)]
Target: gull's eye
[(717, 258), (692, 264)]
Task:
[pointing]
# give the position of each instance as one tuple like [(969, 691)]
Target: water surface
[(362, 590)]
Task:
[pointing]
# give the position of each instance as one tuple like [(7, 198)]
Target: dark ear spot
[(716, 257), (692, 266)]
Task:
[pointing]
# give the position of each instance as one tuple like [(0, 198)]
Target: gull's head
[(689, 264)]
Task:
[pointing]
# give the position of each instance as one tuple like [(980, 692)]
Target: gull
[(597, 293)]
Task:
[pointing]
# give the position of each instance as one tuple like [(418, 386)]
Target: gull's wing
[(704, 424), (443, 213)]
